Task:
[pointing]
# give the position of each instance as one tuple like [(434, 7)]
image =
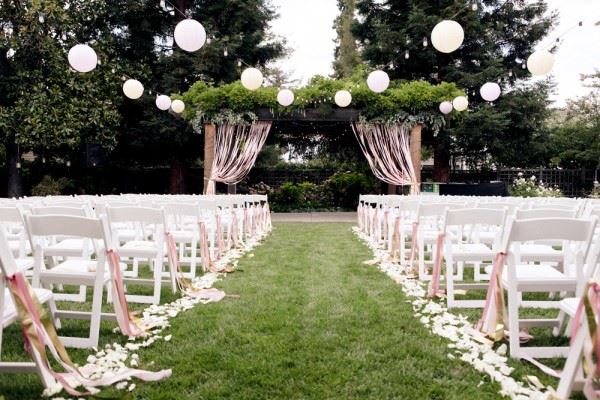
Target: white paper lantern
[(447, 36), (460, 103), (378, 81), (163, 102), (252, 78), (177, 106), (540, 62), (446, 107), (82, 58), (133, 89), (343, 98), (285, 97), (190, 35), (490, 91)]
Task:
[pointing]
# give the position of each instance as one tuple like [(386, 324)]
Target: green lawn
[(312, 322)]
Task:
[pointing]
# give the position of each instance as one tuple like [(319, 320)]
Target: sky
[(307, 25)]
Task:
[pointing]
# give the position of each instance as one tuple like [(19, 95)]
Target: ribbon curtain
[(236, 149), (387, 149)]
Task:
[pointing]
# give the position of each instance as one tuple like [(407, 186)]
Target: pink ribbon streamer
[(126, 325), (21, 287), (204, 249), (437, 267), (219, 233), (236, 149), (413, 244), (493, 306), (387, 150)]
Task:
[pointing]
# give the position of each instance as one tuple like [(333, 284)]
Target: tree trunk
[(176, 178), (441, 163), (415, 150), (15, 181), (391, 188), (210, 131)]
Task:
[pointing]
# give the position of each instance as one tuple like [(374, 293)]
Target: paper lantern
[(285, 97), (540, 62), (343, 98), (82, 58), (378, 81), (163, 102), (190, 35), (446, 107), (447, 36), (460, 103), (133, 89), (177, 106), (252, 78), (490, 91)]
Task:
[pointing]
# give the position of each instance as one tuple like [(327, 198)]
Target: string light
[(225, 52), (406, 55), (425, 42)]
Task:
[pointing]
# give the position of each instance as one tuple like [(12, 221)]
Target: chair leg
[(193, 253), (450, 283), (52, 307), (513, 324), (562, 317), (157, 279), (96, 313), (572, 365)]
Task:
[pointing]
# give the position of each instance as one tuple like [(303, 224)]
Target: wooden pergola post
[(210, 131), (415, 150)]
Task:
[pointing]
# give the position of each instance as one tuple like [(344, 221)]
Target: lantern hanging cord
[(177, 9), (566, 32)]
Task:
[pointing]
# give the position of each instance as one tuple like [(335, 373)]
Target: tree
[(346, 53), (499, 35), (44, 105), (238, 36), (576, 133)]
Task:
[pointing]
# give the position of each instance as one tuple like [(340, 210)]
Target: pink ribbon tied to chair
[(434, 285), (494, 302), (589, 307), (39, 333), (219, 234), (413, 243), (395, 248), (185, 286)]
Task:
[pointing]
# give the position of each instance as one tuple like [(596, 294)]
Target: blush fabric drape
[(236, 149), (387, 149)]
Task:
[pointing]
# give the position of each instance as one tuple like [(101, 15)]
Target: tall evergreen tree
[(346, 53), (499, 35)]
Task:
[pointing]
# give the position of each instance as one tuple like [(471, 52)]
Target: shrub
[(531, 187), (288, 197), (345, 187), (50, 187)]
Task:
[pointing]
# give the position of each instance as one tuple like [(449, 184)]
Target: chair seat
[(183, 236), (68, 247), (539, 252), (9, 314), (472, 251), (543, 277), (77, 268), (569, 305), (138, 248)]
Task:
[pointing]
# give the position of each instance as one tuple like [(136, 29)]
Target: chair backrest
[(143, 215), (10, 215), (543, 229), (545, 213), (475, 216), (51, 225), (80, 211)]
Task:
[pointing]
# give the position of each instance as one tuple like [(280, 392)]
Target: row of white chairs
[(513, 245), (60, 242)]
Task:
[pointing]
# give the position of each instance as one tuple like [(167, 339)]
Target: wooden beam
[(231, 188), (415, 150), (210, 131)]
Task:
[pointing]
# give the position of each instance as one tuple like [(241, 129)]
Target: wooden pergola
[(295, 122)]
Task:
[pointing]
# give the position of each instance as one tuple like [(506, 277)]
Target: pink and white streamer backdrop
[(387, 149), (236, 149)]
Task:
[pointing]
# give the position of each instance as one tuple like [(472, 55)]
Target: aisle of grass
[(312, 322)]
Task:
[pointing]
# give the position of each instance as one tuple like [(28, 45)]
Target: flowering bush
[(595, 193), (523, 187)]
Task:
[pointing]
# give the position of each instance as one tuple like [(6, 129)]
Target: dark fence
[(104, 180)]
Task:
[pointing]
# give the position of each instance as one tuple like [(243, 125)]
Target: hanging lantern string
[(175, 8), (567, 31)]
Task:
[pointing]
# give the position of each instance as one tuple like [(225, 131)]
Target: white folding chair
[(148, 244), (182, 222), (73, 271), (518, 277), (9, 315), (467, 249)]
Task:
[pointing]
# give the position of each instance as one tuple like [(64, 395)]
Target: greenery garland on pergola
[(411, 103)]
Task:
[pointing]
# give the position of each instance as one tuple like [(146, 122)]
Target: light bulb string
[(564, 33)]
